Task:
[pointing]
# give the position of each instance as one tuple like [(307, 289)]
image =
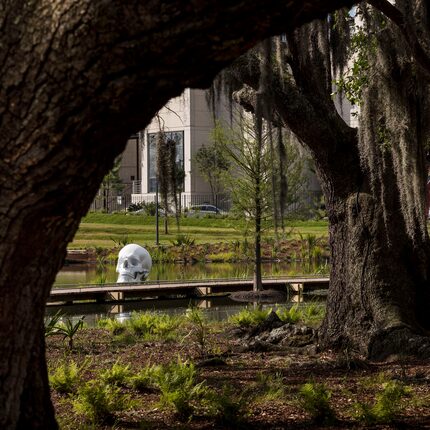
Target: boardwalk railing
[(118, 292)]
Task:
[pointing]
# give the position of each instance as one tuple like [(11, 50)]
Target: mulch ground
[(350, 380)]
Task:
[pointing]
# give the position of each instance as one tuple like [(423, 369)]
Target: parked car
[(202, 210)]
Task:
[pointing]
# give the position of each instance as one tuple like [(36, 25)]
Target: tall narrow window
[(178, 138)]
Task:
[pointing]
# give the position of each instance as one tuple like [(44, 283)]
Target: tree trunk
[(378, 275), (257, 283), (73, 77), (374, 189), (37, 411)]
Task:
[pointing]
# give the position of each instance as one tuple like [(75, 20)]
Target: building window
[(178, 138)]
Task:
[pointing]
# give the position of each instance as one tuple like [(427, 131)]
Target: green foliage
[(388, 404), (67, 376), (179, 389), (198, 329), (228, 407), (182, 239), (98, 401), (51, 324), (153, 326), (145, 325), (145, 379), (117, 375), (270, 386), (111, 184), (121, 241), (312, 313), (212, 163), (114, 326), (133, 207), (315, 400), (249, 317), (290, 315), (147, 207), (356, 77), (68, 329)]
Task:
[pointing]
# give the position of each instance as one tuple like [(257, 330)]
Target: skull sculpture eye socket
[(134, 263)]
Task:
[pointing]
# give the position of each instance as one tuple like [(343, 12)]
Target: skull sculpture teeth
[(134, 263)]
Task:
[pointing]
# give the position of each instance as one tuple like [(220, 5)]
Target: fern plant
[(117, 375), (98, 401), (66, 377), (199, 329), (315, 400), (249, 317), (387, 407), (145, 379), (228, 407), (179, 388)]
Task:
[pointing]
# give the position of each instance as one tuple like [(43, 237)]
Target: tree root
[(397, 343)]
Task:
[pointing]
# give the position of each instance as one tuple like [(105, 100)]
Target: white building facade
[(188, 121)]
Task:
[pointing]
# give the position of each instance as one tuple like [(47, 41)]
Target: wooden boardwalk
[(163, 289)]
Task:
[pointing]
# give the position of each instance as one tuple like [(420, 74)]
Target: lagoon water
[(215, 308), (75, 274)]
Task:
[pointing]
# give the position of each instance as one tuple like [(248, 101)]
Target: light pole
[(157, 234)]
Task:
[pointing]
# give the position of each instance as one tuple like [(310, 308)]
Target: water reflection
[(93, 274), (215, 308)]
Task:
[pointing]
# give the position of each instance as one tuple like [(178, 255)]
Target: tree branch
[(407, 30)]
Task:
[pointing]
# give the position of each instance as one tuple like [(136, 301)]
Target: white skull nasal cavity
[(134, 263)]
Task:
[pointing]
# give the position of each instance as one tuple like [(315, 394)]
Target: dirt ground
[(350, 380)]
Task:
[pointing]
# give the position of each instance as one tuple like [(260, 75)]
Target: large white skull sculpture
[(134, 263)]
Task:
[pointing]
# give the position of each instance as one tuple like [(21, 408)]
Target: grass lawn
[(102, 230)]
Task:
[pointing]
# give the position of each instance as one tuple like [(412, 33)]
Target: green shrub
[(270, 386), (66, 377), (98, 401), (315, 400), (249, 317), (116, 375), (228, 407), (198, 329), (68, 329), (179, 389), (114, 326), (291, 315), (183, 239), (388, 404), (153, 326), (145, 380), (121, 241)]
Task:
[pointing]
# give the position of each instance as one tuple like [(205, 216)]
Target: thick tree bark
[(77, 78), (379, 290)]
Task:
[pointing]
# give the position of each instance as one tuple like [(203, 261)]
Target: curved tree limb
[(408, 31)]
